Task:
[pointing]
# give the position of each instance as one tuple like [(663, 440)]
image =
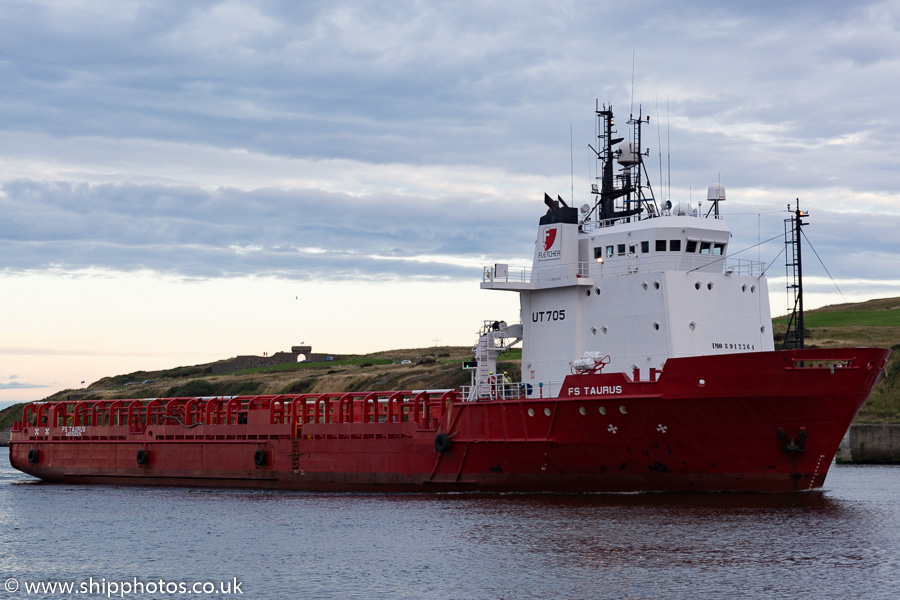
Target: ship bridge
[(641, 291)]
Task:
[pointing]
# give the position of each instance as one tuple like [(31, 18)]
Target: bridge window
[(704, 247), (609, 252), (645, 247), (674, 245), (660, 245), (691, 246), (719, 249), (621, 249)]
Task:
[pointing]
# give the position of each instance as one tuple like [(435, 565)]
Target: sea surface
[(841, 542)]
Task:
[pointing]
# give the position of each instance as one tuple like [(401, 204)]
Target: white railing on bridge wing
[(741, 266), (621, 265), (551, 272), (502, 273), (557, 272)]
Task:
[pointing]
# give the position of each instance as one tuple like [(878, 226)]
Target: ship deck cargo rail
[(116, 419)]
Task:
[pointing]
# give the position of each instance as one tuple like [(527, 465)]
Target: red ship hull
[(767, 422)]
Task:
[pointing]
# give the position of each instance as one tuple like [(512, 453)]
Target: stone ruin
[(240, 363)]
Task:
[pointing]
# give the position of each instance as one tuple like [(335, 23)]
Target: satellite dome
[(716, 192), (682, 209)]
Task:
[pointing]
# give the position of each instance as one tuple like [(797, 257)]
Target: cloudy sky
[(182, 182)]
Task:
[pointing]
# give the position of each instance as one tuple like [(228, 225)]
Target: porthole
[(593, 331), (604, 330), (587, 292), (701, 382), (656, 327), (697, 285), (709, 285), (692, 326), (752, 289), (547, 411), (744, 288), (582, 411), (623, 410), (602, 410), (762, 329), (655, 285), (530, 412), (597, 291), (644, 286)]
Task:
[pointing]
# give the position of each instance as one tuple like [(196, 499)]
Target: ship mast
[(793, 337), (627, 184)]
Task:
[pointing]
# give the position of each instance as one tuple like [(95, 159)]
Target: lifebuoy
[(259, 458), (442, 443), (34, 455), (143, 457)]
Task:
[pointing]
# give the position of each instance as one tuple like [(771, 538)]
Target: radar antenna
[(621, 194)]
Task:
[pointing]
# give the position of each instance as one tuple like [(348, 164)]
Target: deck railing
[(626, 264), (425, 408), (511, 390)]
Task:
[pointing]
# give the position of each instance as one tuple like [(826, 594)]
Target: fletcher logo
[(550, 244), (549, 238)]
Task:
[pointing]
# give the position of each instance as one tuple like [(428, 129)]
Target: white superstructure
[(632, 281)]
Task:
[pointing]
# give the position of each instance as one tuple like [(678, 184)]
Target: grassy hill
[(872, 323), (876, 322)]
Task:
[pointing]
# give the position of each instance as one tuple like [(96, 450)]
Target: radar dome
[(716, 192), (682, 209)]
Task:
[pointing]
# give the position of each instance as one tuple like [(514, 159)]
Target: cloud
[(12, 383), (352, 139), (298, 234)]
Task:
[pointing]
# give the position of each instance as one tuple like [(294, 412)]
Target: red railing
[(424, 408)]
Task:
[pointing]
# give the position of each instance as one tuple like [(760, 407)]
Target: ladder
[(793, 266)]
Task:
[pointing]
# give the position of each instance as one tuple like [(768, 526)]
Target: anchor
[(792, 445)]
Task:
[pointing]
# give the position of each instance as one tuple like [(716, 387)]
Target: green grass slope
[(872, 323)]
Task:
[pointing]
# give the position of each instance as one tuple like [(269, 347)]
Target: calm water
[(843, 542)]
